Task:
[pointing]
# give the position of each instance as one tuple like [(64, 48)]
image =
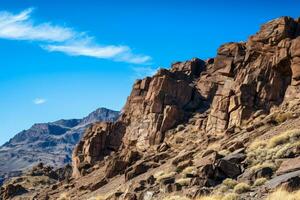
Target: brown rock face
[(99, 140), (251, 76), (289, 165), (159, 103), (245, 80), (154, 106)]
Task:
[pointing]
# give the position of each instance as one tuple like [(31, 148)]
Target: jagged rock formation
[(187, 129), (50, 143), (245, 79)]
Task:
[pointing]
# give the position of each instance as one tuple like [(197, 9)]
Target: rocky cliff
[(50, 143), (244, 81), (225, 127)]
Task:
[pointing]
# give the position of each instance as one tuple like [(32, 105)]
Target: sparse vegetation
[(176, 198), (189, 170), (230, 183), (241, 188), (184, 181), (224, 152), (265, 153), (230, 196), (100, 197), (162, 175), (64, 196), (264, 165), (282, 117), (290, 136), (222, 189), (281, 194), (212, 197), (260, 181)]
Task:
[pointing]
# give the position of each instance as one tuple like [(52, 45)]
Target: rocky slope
[(51, 143), (226, 127)]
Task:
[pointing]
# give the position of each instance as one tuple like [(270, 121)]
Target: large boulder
[(279, 180), (289, 165)]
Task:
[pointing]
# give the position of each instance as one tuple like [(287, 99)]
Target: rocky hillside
[(51, 143), (227, 127)]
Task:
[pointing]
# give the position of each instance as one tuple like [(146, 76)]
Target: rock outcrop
[(191, 128), (245, 80), (154, 106), (253, 76)]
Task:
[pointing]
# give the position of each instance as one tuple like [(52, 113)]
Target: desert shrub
[(230, 196), (184, 181), (290, 136), (263, 165), (222, 189), (64, 196), (260, 181), (212, 197), (176, 198), (230, 183), (99, 197), (281, 194), (158, 174), (224, 152), (267, 151), (257, 144), (241, 188), (278, 140), (189, 170), (161, 175), (282, 117)]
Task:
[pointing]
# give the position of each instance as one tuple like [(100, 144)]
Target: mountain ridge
[(43, 140)]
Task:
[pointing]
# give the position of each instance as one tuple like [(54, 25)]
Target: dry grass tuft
[(224, 152), (162, 175), (266, 152), (189, 170), (184, 181), (282, 117), (230, 196), (260, 182), (263, 165), (222, 189), (230, 183), (241, 188), (212, 197), (283, 138), (281, 194), (176, 198), (64, 196)]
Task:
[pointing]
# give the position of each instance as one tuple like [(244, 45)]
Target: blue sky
[(63, 59)]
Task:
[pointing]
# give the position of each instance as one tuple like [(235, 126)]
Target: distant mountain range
[(51, 143)]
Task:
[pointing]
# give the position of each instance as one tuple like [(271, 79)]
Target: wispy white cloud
[(63, 39), (116, 53), (39, 101), (20, 27)]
